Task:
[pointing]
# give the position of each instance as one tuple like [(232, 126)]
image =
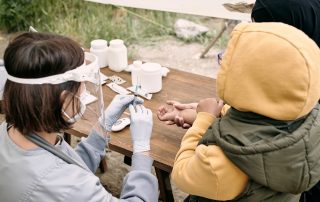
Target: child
[(304, 15), (267, 146)]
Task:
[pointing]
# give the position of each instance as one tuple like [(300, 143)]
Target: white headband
[(84, 72)]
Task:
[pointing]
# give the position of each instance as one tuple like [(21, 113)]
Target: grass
[(85, 21)]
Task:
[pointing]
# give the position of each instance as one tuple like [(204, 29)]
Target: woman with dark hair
[(42, 98)]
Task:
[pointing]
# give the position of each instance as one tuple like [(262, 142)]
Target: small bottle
[(117, 55), (99, 48), (135, 73)]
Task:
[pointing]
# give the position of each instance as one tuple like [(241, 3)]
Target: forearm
[(139, 184), (205, 170), (187, 163), (193, 135), (188, 115), (92, 150)]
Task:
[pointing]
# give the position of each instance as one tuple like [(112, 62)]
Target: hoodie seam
[(306, 157), (264, 170), (216, 176)]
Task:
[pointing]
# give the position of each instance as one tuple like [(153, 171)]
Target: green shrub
[(84, 20), (14, 14)]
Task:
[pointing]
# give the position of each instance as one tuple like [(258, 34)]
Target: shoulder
[(68, 182), (3, 128)]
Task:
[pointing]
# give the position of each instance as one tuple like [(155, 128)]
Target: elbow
[(204, 186), (179, 179)]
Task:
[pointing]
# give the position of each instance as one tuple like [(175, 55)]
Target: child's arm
[(183, 115), (167, 114), (171, 115), (205, 170), (188, 115)]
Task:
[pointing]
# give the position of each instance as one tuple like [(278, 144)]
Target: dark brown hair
[(35, 108)]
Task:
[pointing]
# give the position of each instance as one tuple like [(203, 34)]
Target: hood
[(302, 14), (271, 69)]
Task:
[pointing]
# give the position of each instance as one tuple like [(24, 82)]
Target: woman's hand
[(117, 106), (140, 128), (210, 105)]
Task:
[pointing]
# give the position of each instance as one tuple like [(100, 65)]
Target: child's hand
[(211, 106), (172, 115), (167, 114)]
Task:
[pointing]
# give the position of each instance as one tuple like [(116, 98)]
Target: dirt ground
[(171, 53), (177, 54)]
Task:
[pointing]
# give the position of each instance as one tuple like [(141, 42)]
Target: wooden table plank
[(165, 142)]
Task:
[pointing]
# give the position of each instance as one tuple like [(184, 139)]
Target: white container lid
[(137, 64), (99, 44), (92, 60), (151, 67), (116, 42)]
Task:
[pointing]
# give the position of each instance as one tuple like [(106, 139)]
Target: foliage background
[(84, 20)]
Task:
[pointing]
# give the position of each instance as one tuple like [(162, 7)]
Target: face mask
[(78, 115)]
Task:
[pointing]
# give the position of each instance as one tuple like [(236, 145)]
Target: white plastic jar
[(117, 55), (151, 77), (99, 48)]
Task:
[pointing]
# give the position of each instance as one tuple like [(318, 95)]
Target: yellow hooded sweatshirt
[(270, 69)]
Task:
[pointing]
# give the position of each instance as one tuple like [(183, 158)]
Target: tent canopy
[(211, 8)]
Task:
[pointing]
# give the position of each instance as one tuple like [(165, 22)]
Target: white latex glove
[(140, 128), (118, 105)]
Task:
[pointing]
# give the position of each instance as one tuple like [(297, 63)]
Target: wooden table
[(165, 142)]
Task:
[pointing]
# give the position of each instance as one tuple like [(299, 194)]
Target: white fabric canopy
[(211, 8)]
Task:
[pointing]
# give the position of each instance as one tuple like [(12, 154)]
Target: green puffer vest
[(282, 159)]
